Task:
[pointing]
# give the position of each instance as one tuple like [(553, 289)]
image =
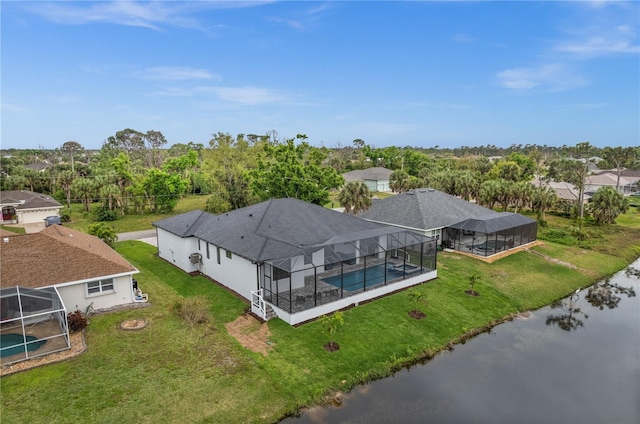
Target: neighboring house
[(458, 224), (564, 191), (594, 182), (47, 274), (628, 183), (376, 178), (37, 166), (27, 207), (295, 259)]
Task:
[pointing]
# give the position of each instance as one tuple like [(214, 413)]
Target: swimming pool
[(353, 280), (13, 344)]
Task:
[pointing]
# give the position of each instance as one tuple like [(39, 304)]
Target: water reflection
[(606, 295), (528, 370), (570, 320)]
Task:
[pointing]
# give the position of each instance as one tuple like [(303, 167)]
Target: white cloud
[(599, 46), (552, 77), (462, 38), (150, 14), (248, 96), (11, 107), (175, 73)]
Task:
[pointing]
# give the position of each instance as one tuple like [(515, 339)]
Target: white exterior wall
[(30, 216), (177, 250), (75, 296), (237, 273)]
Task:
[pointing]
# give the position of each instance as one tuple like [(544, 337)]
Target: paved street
[(147, 236)]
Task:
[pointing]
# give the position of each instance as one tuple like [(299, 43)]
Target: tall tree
[(290, 170), (619, 158), (574, 170), (71, 148), (355, 197)]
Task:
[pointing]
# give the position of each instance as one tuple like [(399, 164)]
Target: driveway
[(147, 236)]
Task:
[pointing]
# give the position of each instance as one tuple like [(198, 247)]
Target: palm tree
[(110, 193), (84, 189), (355, 197), (399, 181), (543, 199), (606, 204), (65, 179)]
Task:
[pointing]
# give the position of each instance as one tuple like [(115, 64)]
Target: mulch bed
[(415, 314), (471, 293), (134, 324)]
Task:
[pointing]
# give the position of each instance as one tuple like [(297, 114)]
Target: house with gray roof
[(294, 259), (456, 223), (376, 178), (27, 207)]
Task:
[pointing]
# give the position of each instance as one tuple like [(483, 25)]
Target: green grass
[(17, 230), (81, 220), (170, 372)]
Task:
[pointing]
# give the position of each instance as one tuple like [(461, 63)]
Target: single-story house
[(608, 179), (294, 259), (27, 207), (47, 274), (456, 223), (564, 190), (376, 178)]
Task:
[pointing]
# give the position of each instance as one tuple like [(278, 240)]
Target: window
[(218, 252), (95, 288), (208, 251), (229, 255), (280, 274), (198, 245)]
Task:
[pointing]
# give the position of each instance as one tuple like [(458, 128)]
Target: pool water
[(12, 344), (353, 280)]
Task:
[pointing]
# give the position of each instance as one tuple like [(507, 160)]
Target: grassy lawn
[(81, 220), (172, 372)]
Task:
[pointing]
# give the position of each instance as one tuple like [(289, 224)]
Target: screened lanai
[(344, 266), (33, 323), (495, 233)]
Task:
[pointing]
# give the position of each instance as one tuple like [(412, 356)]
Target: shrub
[(193, 310), (65, 214), (77, 321), (104, 214)]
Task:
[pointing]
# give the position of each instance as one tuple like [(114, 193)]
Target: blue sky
[(390, 73)]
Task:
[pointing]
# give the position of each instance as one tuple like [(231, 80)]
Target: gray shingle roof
[(502, 221), (26, 199), (369, 174), (269, 230), (424, 209)]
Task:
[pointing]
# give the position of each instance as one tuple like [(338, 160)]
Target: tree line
[(135, 172)]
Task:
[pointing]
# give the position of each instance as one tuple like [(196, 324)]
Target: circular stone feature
[(133, 324)]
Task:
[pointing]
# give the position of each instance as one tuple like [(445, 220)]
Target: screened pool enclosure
[(34, 323), (344, 266), (490, 235)]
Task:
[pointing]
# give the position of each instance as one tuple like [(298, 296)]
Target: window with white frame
[(95, 288)]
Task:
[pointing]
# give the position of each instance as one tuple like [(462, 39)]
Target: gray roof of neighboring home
[(370, 174), (24, 199), (273, 229), (501, 221), (424, 209)]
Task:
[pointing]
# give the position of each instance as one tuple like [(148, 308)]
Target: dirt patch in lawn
[(251, 334)]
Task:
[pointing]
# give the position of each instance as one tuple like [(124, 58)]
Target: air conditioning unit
[(195, 258)]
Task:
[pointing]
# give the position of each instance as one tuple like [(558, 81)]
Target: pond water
[(577, 361)]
